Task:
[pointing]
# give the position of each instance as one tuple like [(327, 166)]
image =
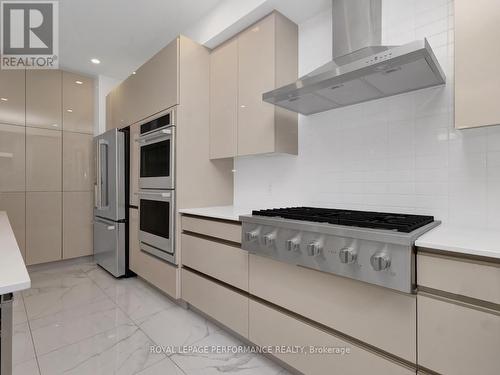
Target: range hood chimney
[(362, 68)]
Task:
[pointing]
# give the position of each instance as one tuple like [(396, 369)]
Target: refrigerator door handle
[(97, 186), (103, 173)]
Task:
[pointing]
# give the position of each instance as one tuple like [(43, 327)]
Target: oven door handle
[(163, 195), (154, 136)]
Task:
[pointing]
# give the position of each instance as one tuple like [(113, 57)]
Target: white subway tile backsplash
[(494, 175), (493, 159), (427, 5), (493, 135), (399, 154)]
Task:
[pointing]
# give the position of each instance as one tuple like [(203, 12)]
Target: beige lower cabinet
[(219, 302), (77, 224), (269, 327), (457, 339), (43, 227), (224, 262), (43, 160), (374, 315), (466, 277), (133, 239), (14, 203), (12, 157), (159, 273), (225, 230)]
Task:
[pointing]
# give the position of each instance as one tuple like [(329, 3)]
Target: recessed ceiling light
[(69, 110), (79, 82), (4, 99), (55, 125), (95, 61), (133, 73)]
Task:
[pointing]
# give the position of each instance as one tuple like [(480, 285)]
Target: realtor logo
[(29, 34)]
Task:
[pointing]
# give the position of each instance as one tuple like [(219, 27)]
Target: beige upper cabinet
[(78, 103), (260, 59), (256, 75), (44, 99), (153, 88), (477, 82), (12, 97), (159, 79), (224, 100)]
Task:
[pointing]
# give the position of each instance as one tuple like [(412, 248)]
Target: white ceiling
[(123, 34)]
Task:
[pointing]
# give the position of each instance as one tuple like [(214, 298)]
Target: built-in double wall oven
[(157, 186), (157, 153)]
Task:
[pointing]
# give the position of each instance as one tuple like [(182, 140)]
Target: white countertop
[(13, 273), (481, 242), (219, 212)]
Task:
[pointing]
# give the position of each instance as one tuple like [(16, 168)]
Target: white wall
[(395, 154), (102, 88)]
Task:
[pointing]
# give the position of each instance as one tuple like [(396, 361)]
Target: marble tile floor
[(77, 319)]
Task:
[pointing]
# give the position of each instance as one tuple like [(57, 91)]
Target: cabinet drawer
[(159, 273), (465, 277), (268, 326), (207, 296), (375, 315), (223, 262), (457, 339), (228, 231)]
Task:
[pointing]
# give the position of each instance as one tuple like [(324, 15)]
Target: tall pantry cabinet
[(46, 131)]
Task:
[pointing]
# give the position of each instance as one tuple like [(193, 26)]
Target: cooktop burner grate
[(365, 219)]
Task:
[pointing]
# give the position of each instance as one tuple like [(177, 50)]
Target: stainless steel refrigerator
[(111, 201)]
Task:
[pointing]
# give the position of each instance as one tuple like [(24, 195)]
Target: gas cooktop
[(377, 220), (373, 247)]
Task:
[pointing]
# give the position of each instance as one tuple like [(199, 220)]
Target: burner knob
[(269, 239), (252, 236), (314, 249), (347, 255), (380, 261), (293, 244)]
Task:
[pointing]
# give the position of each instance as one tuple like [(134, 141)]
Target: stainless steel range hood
[(361, 69)]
